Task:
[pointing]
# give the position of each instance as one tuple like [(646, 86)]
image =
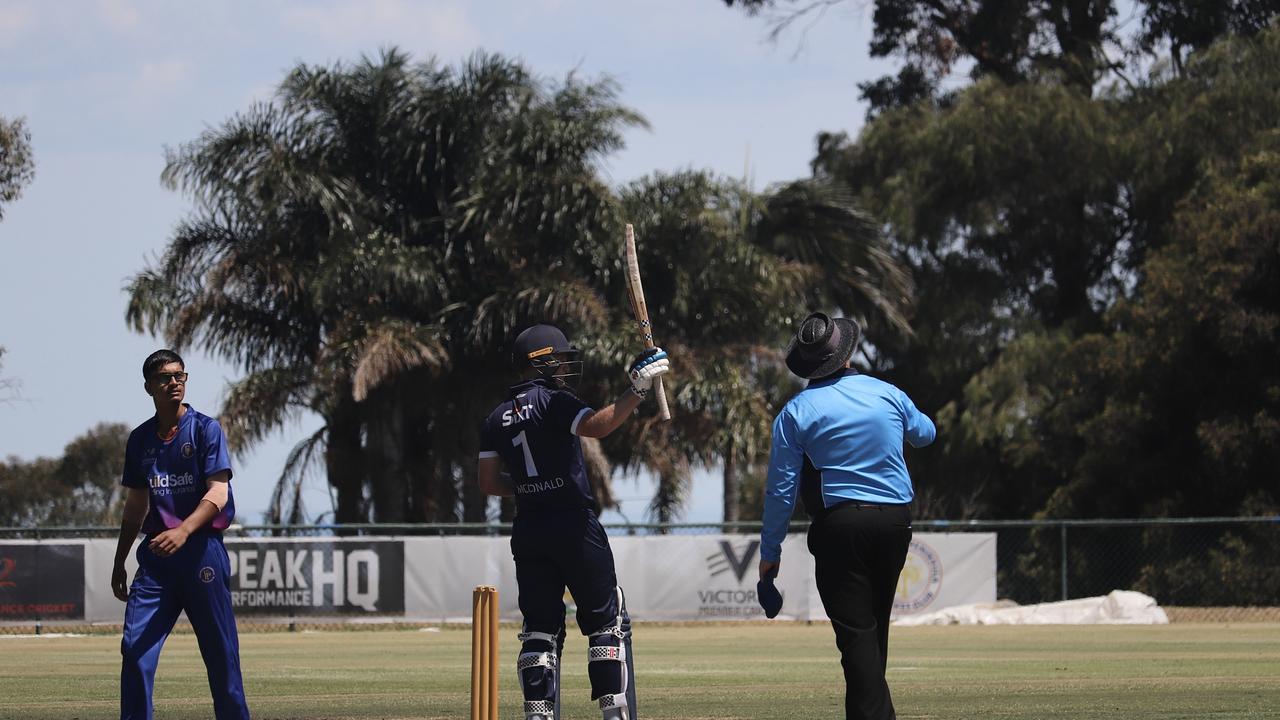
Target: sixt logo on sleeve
[(172, 484), (519, 413)]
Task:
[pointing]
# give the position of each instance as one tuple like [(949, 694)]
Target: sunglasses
[(166, 378)]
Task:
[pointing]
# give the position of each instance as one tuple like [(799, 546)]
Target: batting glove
[(648, 365)]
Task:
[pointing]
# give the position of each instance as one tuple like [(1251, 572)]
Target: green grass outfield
[(764, 670)]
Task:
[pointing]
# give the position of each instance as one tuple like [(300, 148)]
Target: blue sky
[(106, 85)]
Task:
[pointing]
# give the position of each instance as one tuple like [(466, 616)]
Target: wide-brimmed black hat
[(822, 345)]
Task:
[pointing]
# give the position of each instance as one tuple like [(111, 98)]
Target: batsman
[(530, 449)]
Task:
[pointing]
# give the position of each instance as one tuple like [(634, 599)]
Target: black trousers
[(858, 551), (558, 549)]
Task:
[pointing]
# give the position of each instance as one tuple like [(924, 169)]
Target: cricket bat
[(635, 291)]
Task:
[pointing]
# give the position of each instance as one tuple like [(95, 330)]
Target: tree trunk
[(599, 472), (447, 498), (475, 504), (732, 486), (418, 456), (343, 459), (383, 451), (422, 481), (666, 504)]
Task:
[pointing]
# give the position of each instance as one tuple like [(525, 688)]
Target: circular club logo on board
[(206, 574), (187, 450), (921, 579)]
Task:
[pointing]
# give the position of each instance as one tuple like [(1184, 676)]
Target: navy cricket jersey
[(535, 434), (175, 473)]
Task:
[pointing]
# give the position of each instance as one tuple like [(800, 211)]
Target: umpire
[(838, 443)]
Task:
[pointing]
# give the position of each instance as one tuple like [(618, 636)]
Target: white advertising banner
[(946, 569), (697, 577), (440, 573), (100, 604), (711, 577), (670, 577)]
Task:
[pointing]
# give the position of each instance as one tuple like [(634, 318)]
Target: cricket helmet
[(546, 349)]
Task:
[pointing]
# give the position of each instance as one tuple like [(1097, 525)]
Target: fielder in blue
[(178, 481), (556, 539)]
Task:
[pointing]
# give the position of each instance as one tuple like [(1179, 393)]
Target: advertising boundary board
[(696, 577), (429, 579), (42, 580)]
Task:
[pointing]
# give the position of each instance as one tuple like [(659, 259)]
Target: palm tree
[(365, 244), (726, 273)]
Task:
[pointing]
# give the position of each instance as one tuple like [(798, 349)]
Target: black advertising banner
[(321, 577), (44, 581)]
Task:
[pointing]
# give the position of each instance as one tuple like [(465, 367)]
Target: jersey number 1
[(522, 442)]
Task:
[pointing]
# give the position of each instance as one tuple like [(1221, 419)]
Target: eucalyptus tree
[(364, 244), (8, 386), (1176, 390), (79, 488), (17, 167), (1011, 209), (1028, 214), (1030, 205), (1081, 44)]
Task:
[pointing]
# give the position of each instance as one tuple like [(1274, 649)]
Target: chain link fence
[(1198, 569)]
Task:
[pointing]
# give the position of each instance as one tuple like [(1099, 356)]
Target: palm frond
[(672, 494), (395, 347), (286, 506), (818, 223), (556, 298), (261, 402)]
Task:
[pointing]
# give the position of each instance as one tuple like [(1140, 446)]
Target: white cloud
[(259, 93), (121, 15), (15, 20), (438, 28), (160, 77)]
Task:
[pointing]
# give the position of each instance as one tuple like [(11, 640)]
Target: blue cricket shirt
[(175, 473), (851, 429)]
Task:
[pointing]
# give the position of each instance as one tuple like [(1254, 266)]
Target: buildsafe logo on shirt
[(170, 484)]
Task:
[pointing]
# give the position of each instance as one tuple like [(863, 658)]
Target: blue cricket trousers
[(195, 579)]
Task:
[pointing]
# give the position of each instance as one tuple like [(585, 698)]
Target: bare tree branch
[(781, 22), (10, 388)]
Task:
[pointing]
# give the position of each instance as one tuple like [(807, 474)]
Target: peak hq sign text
[(320, 577)]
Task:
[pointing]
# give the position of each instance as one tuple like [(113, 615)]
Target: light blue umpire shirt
[(851, 428)]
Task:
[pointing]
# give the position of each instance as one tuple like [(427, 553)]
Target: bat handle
[(660, 394)]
